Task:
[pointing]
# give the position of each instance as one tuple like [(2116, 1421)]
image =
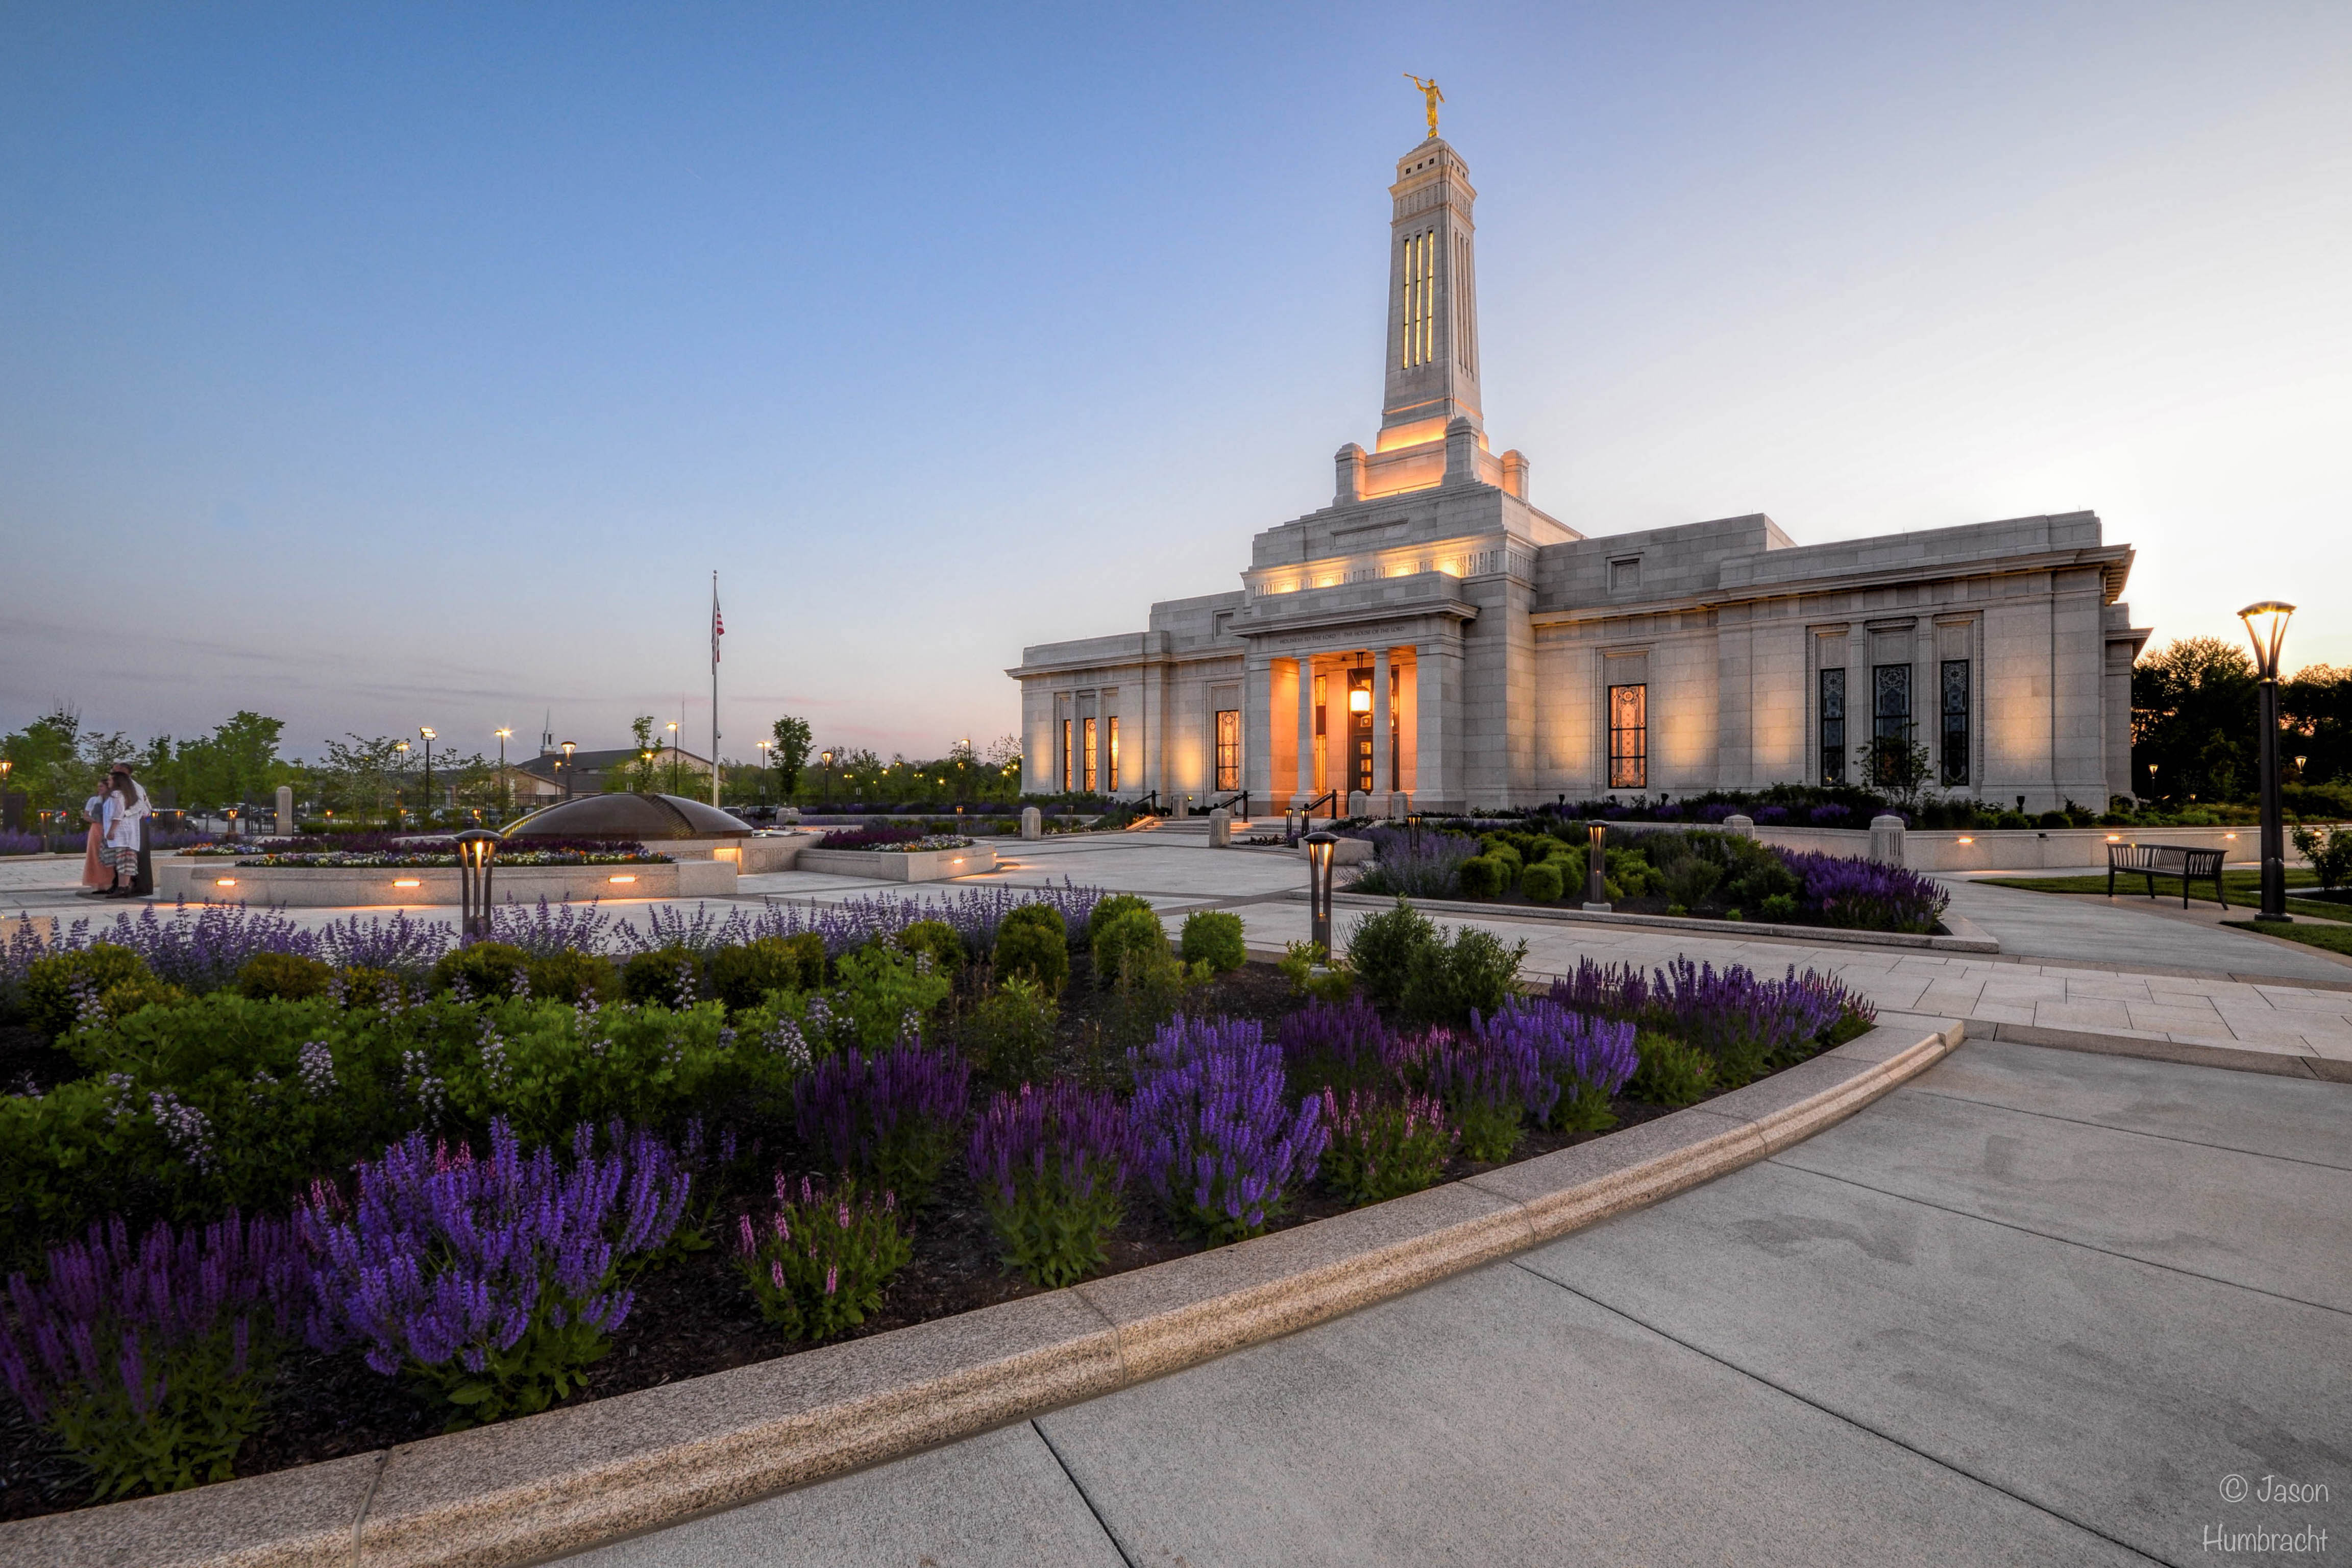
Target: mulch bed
[(694, 1316)]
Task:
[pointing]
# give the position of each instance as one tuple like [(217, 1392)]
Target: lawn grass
[(2244, 887), (2334, 938)]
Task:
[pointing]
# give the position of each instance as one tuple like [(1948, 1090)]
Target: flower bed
[(591, 1156), (373, 851), (893, 840)]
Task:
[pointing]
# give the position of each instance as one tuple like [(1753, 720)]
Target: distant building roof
[(548, 765)]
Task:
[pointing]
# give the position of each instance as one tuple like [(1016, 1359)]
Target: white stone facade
[(1432, 604)]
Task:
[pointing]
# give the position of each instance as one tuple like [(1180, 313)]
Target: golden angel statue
[(1430, 96)]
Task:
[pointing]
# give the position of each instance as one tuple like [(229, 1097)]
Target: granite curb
[(2192, 1053), (1965, 935), (524, 1491)]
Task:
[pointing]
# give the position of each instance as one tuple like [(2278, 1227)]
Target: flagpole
[(714, 686)]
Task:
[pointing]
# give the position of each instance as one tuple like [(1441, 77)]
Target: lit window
[(1890, 729), (1832, 726), (1420, 292), (1229, 749), (1114, 755), (1629, 737), (1066, 757), (1090, 756), (1956, 720)]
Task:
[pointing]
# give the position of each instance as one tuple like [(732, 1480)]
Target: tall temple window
[(1114, 754), (1090, 756), (1890, 714), (1833, 726), (1067, 757), (1420, 295), (1229, 749), (1322, 696), (1956, 720), (1629, 737)]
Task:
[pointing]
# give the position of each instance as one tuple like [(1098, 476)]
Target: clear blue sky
[(376, 367)]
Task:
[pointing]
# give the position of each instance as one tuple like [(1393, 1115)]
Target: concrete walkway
[(2133, 932), (2035, 1308)]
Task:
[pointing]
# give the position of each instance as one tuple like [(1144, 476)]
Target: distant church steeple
[(1432, 329)]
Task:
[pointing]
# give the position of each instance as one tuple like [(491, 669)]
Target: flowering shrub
[(1422, 863), (149, 1362), (1051, 1164), (1584, 1061), (891, 1117), (1492, 1081), (868, 837), (1383, 1146), (494, 1282), (1336, 1044), (1214, 1136), (818, 1264), (428, 858), (1746, 1023), (1865, 894)]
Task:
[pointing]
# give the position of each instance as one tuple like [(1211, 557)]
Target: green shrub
[(1671, 1071), (1010, 1035), (880, 987), (283, 977), (126, 997), (936, 938), (1689, 878), (1214, 937), (1481, 876), (1384, 948), (1300, 963), (1541, 882), (1506, 856), (1133, 933), (742, 976), (2052, 819), (1147, 991), (54, 985), (820, 1265), (1781, 907), (1630, 870), (485, 969), (667, 976), (1450, 979), (1109, 910), (1032, 946), (571, 976)]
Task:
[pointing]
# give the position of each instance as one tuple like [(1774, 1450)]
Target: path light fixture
[(474, 849), (566, 766), (2299, 761), (1321, 851), (2266, 625), (825, 757), (1596, 868)]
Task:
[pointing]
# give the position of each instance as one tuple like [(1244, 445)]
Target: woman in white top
[(126, 806), (97, 872)]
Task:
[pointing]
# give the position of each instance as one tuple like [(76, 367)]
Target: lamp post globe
[(2266, 626)]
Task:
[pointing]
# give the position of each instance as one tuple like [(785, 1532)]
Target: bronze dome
[(644, 817)]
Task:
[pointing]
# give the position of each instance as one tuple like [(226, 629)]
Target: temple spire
[(1432, 321)]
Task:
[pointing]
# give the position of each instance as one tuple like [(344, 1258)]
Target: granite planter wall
[(211, 878), (889, 866)]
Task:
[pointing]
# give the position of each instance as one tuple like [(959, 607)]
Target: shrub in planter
[(1780, 907), (938, 939), (1051, 1164), (543, 1067), (742, 974), (1133, 934), (1671, 1071), (482, 970), (1464, 971), (1583, 1059), (1689, 880), (283, 977), (495, 1283), (819, 1263), (1109, 910), (1507, 858), (1339, 1044), (148, 1364), (573, 977), (1541, 882), (670, 976), (891, 1118), (1482, 877), (1213, 1135), (1384, 1145), (1012, 1031), (1746, 1025), (886, 996), (1214, 937), (1383, 950), (1032, 940), (61, 987)]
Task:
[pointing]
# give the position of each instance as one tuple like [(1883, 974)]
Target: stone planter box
[(1994, 848), (887, 866), (215, 880)]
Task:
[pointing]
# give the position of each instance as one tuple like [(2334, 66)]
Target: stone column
[(1437, 721), (1381, 782), (1257, 728), (285, 810), (1304, 781)]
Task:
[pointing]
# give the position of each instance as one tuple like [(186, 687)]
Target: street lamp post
[(673, 759), (825, 757), (765, 748), (426, 733), (506, 786), (2266, 625), (1320, 852), (398, 803), (566, 766)]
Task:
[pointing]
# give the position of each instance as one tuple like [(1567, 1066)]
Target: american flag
[(717, 626)]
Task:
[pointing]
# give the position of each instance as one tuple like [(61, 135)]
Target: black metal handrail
[(1307, 814), (1148, 803), (1227, 804)]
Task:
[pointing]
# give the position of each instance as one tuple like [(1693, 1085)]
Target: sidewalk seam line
[(2063, 1241), (2133, 1131), (1857, 1423), (1080, 1486)]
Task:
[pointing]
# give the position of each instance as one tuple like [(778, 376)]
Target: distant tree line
[(2196, 711)]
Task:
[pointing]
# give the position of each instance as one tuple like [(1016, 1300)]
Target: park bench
[(2154, 861)]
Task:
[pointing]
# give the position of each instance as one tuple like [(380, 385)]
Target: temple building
[(1433, 639)]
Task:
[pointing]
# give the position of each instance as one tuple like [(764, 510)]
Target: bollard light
[(1596, 878), (474, 849), (2266, 625), (1320, 853)]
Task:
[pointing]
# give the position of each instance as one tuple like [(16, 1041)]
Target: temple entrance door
[(1359, 731)]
